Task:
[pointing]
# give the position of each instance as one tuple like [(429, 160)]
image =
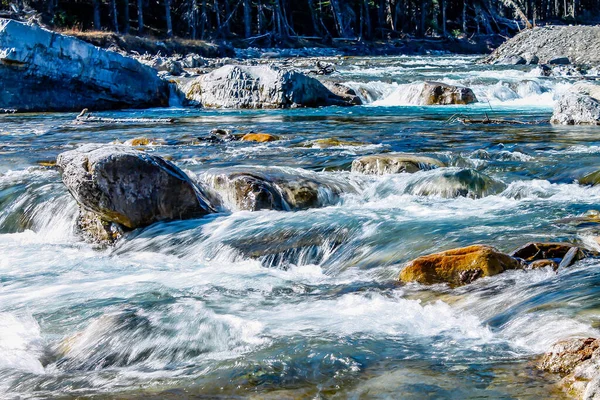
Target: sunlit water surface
[(184, 308)]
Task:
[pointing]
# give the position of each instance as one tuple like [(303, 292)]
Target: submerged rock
[(242, 86), (273, 189), (128, 187), (458, 266), (380, 164), (42, 70), (454, 182), (331, 142), (591, 179)]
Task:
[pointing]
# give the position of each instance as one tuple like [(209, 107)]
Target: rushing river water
[(276, 304)]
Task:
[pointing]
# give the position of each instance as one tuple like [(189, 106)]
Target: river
[(305, 304)]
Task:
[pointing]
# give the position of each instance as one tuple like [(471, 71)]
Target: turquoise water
[(275, 304)]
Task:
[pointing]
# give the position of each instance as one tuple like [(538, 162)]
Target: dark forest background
[(310, 19)]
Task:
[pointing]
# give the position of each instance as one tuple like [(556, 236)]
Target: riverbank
[(291, 47)]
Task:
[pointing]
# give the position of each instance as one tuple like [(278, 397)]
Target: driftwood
[(323, 69), (85, 116), (492, 121)]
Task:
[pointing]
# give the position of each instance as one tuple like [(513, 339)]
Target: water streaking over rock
[(294, 292)]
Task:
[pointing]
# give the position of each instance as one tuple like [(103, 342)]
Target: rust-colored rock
[(543, 264), (458, 266), (259, 137)]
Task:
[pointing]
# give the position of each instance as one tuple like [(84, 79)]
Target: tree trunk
[(313, 18), (115, 17), (464, 17), (259, 18), (97, 24), (423, 14), (218, 17), (444, 3), (126, 17), (519, 12), (194, 20), (203, 19), (368, 28), (168, 18), (140, 13), (247, 19)]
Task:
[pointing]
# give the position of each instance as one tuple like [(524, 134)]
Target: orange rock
[(259, 137), (458, 266)]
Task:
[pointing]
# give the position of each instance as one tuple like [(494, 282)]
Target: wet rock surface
[(245, 188), (559, 44), (437, 93), (555, 255), (454, 182), (259, 137), (128, 187), (380, 164), (243, 86), (42, 70), (458, 266)]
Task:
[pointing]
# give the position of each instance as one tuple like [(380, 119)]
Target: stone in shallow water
[(129, 187), (261, 86), (533, 251), (259, 137), (247, 188), (543, 264), (458, 266), (591, 179), (454, 182), (380, 164), (437, 93)]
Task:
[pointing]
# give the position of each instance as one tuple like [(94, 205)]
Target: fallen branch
[(492, 121)]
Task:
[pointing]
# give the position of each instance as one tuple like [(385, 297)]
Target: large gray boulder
[(579, 107), (557, 44), (128, 187), (42, 70), (242, 86)]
